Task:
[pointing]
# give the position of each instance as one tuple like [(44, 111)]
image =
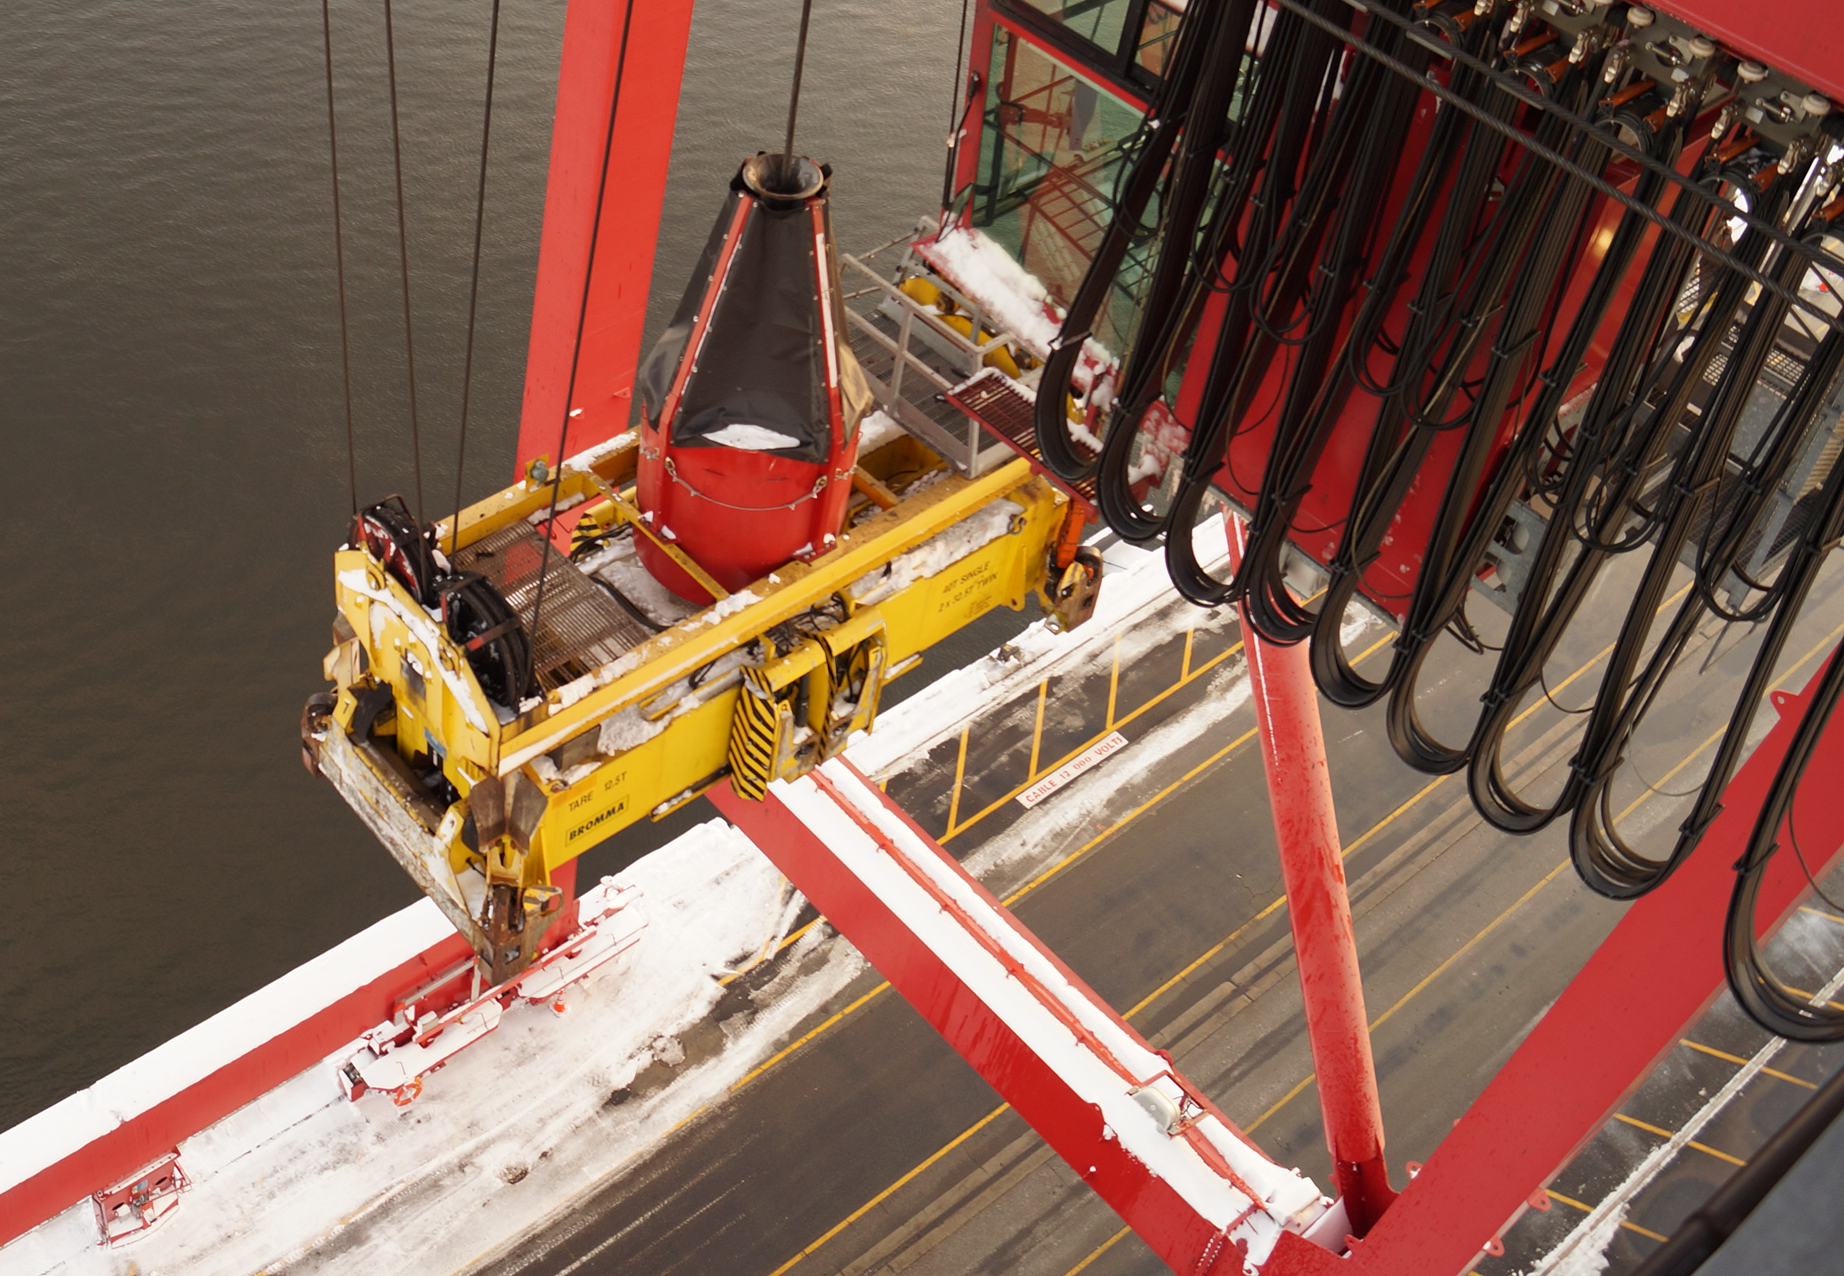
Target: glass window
[(1156, 35), (1052, 151), (1101, 22)]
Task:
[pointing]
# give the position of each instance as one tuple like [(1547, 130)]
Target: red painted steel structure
[(1039, 1085), (146, 1136), (1801, 37), (1319, 911), (628, 58)]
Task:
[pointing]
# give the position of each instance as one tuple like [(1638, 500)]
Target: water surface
[(175, 472)]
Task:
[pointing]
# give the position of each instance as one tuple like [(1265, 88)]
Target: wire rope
[(403, 259), (339, 260), (473, 283)]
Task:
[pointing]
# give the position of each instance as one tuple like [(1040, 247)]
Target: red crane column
[(617, 101), (1319, 910)]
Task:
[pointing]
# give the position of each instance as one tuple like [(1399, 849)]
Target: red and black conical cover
[(751, 400)]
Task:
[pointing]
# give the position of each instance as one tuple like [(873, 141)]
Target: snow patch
[(934, 555), (752, 438), (877, 429), (1014, 299)]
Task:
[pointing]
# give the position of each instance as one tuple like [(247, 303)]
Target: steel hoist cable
[(339, 261), (473, 280), (403, 260)]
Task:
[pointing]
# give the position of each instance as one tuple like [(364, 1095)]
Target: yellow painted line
[(1384, 823), (1210, 952), (1490, 926), (1663, 1133), (1008, 901), (807, 1036), (1822, 645), (1819, 912), (1808, 994), (1114, 682), (884, 1195), (960, 773), (1124, 820), (1724, 1055), (1280, 1103), (1098, 1251), (1037, 732), (1426, 980), (1184, 667), (1195, 674), (1554, 1195)]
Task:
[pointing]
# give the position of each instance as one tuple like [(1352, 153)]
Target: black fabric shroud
[(763, 359)]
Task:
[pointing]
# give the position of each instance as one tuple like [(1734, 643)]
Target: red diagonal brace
[(1319, 909), (1174, 1168)]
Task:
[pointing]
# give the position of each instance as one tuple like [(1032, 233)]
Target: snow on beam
[(146, 1108), (1174, 1168)]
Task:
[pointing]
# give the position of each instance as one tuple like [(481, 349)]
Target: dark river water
[(175, 459)]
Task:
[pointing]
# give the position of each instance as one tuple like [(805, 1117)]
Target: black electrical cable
[(629, 606), (1763, 226), (1769, 1002), (473, 284), (1174, 293), (1603, 860), (1164, 120), (1521, 169), (339, 262), (403, 260), (1613, 456), (1279, 121)]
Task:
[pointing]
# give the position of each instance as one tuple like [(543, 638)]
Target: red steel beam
[(627, 58), (1319, 911), (1186, 1180), (1800, 37), (307, 1033), (1650, 979)]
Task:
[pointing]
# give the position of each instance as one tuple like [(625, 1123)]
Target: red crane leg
[(1174, 1168), (1648, 981), (1319, 909), (636, 51)]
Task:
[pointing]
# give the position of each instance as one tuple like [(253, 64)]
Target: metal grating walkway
[(580, 629), (1003, 407)]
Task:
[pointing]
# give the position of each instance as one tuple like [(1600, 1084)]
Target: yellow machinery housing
[(484, 803)]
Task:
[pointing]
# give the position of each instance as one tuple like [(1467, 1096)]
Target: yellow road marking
[(882, 1196), (805, 1037), (1666, 1134), (1819, 912), (1737, 1059), (1277, 903), (1428, 979), (1195, 674), (1114, 681), (1554, 1195), (1037, 732), (960, 773), (1098, 1251)]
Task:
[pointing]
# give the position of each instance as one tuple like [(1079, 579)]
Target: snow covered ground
[(547, 1107)]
